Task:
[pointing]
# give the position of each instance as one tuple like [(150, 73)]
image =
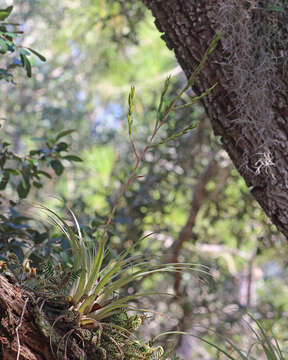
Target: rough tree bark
[(18, 331), (249, 107)]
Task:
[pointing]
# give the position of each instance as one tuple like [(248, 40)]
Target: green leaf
[(28, 67), (72, 158), (26, 64), (13, 171), (4, 13), (41, 57), (176, 135), (4, 180), (23, 187), (9, 33), (37, 184), (3, 218), (34, 152), (23, 52), (41, 172), (3, 159), (3, 46), (57, 167), (161, 102), (62, 146), (64, 133)]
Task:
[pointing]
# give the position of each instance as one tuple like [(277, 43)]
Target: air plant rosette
[(86, 313)]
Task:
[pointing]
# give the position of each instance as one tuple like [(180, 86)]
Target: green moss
[(110, 340), (114, 340)]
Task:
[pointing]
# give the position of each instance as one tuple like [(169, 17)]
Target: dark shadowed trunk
[(249, 107)]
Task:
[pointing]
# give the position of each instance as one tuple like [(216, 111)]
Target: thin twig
[(250, 277), (18, 327)]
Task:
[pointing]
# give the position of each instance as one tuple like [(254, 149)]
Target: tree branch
[(197, 200)]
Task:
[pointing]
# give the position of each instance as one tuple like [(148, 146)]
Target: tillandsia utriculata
[(96, 317), (83, 310)]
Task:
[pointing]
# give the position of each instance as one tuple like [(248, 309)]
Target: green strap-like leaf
[(72, 158), (176, 135), (4, 13), (26, 64), (57, 167), (64, 133), (41, 57)]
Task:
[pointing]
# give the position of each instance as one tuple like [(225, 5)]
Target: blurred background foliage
[(190, 195)]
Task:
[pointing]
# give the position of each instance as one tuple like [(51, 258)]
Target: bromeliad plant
[(93, 301), (92, 294)]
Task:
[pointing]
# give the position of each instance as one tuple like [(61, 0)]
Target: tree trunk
[(19, 335), (249, 107)]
